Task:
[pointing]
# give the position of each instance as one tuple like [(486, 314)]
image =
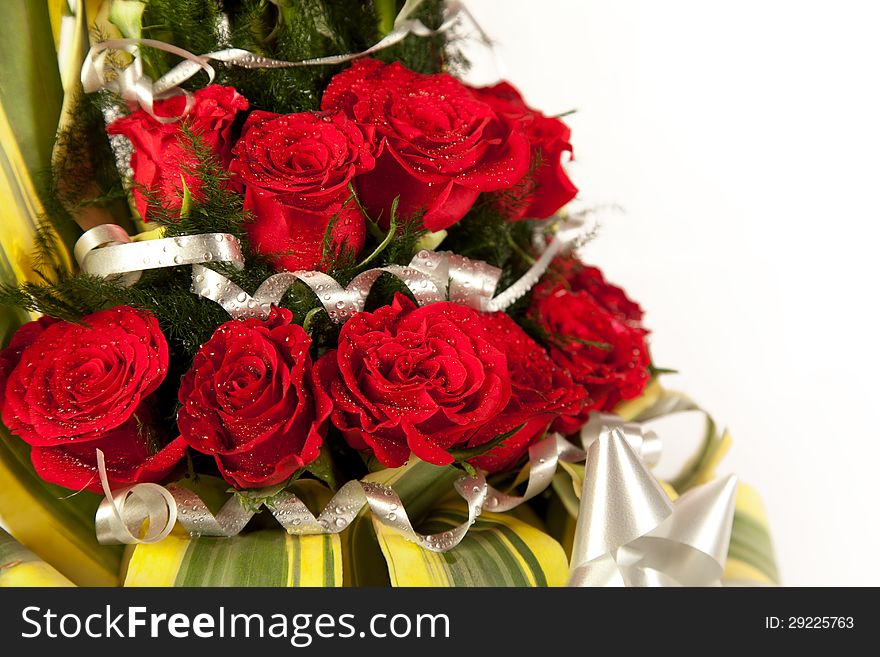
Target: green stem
[(307, 322), (519, 250), (392, 231)]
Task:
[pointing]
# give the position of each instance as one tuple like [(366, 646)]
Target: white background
[(742, 140)]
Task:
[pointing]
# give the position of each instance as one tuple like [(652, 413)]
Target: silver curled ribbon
[(138, 89), (336, 516), (431, 276), (122, 515), (107, 250)]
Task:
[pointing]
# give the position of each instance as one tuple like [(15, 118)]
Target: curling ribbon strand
[(121, 514)]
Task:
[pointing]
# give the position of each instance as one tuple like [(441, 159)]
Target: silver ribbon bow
[(629, 533)]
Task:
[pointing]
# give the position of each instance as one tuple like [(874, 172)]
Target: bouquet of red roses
[(326, 299)]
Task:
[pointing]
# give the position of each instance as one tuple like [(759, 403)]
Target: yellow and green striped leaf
[(267, 557), (499, 550), (21, 567), (750, 560), (31, 98)]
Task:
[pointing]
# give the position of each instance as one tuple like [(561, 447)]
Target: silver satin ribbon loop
[(121, 515), (138, 89), (645, 443), (545, 455), (101, 237), (107, 250), (629, 533)]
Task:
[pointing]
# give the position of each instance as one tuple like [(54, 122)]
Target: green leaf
[(473, 452), (322, 468), (392, 231), (30, 107), (386, 10), (430, 241), (127, 15), (500, 550), (420, 487), (701, 467), (186, 201), (30, 84)]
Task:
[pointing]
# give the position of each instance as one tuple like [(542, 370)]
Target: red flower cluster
[(441, 381), (436, 381), (384, 131)]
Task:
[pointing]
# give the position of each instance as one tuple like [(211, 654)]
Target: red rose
[(159, 158), (441, 144), (129, 457), (601, 349), (550, 188), (541, 391), (579, 277), (71, 383), (21, 340), (414, 379), (248, 399), (295, 170), (71, 389)]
